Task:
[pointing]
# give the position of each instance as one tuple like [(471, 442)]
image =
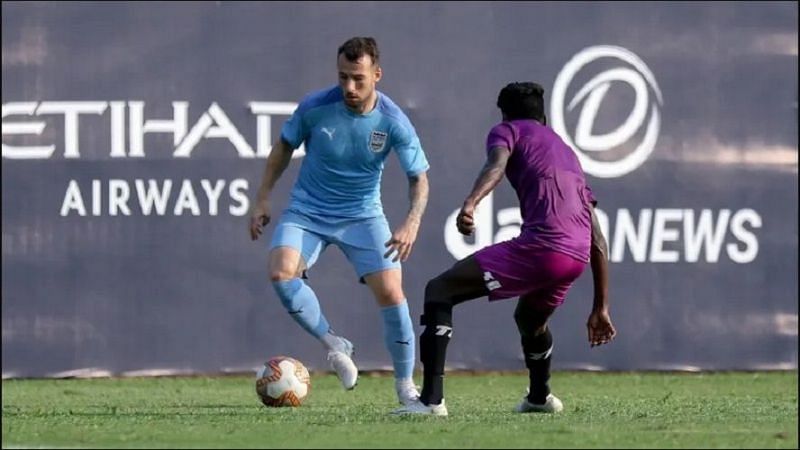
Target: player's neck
[(367, 106)]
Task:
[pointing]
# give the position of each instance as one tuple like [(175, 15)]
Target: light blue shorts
[(361, 240)]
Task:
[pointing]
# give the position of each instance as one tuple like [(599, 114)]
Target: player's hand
[(465, 222), (259, 217), (601, 330), (402, 240)]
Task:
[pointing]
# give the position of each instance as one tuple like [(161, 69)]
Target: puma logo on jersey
[(329, 132)]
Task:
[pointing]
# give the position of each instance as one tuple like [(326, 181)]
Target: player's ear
[(378, 73)]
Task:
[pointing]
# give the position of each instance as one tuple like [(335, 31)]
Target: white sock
[(404, 382), (331, 341)]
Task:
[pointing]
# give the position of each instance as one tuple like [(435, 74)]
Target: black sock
[(538, 351), (433, 349)]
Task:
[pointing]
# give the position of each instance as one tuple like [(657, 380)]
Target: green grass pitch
[(602, 410)]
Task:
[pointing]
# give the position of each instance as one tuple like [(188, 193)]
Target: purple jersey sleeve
[(501, 135)]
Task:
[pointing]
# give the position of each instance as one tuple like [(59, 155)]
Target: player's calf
[(537, 347), (399, 339), (437, 320), (302, 305)]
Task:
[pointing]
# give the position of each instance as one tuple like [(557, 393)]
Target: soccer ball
[(283, 381)]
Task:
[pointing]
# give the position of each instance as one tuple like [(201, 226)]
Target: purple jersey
[(554, 198)]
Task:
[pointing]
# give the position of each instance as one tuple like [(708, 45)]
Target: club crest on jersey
[(377, 140)]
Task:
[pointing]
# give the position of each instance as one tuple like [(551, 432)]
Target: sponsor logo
[(491, 283), (623, 149), (443, 330), (329, 132)]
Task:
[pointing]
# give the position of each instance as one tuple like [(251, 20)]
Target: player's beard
[(353, 102), (358, 104)]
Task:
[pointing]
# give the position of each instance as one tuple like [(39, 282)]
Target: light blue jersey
[(336, 200), (341, 173)]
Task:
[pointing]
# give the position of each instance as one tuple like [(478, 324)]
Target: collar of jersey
[(350, 113)]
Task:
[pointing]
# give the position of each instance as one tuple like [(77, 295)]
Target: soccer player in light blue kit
[(349, 130)]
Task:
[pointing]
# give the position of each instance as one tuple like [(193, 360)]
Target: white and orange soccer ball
[(283, 381)]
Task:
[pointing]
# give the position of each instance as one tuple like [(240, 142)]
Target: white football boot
[(417, 407), (551, 405), (407, 392), (343, 364)]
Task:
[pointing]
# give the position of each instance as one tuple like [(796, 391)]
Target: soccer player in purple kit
[(559, 236)]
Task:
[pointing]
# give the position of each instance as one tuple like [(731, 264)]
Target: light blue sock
[(398, 334), (302, 304)]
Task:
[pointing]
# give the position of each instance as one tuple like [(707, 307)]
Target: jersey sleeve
[(409, 151), (294, 130), (297, 128), (501, 135)]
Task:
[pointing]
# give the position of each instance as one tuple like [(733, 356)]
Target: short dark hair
[(357, 47), (522, 101)]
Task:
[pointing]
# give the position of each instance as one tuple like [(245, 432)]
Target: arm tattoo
[(418, 195)]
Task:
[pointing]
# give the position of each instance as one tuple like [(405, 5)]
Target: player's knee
[(538, 329), (276, 275), (386, 287), (437, 311), (436, 290), (529, 322), (390, 297)]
